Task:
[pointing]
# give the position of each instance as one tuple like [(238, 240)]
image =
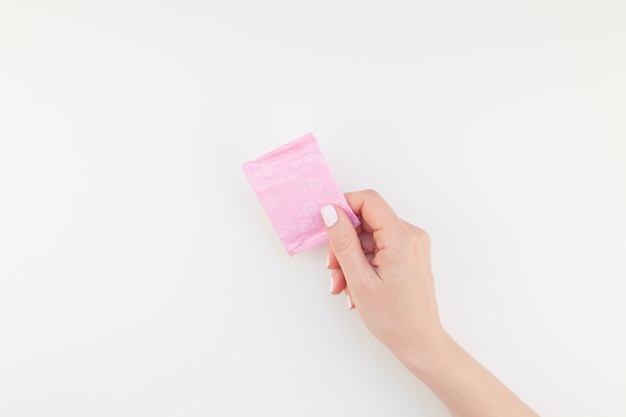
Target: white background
[(140, 276)]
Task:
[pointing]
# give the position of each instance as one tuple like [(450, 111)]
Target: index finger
[(377, 215)]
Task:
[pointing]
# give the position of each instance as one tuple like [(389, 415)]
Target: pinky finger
[(338, 282), (349, 300)]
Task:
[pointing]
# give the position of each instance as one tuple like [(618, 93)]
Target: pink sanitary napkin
[(293, 182)]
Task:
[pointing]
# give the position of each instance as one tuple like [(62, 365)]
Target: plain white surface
[(139, 275)]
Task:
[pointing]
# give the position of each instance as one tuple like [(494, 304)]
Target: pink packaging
[(293, 182)]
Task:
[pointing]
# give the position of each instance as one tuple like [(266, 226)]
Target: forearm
[(386, 266), (465, 387)]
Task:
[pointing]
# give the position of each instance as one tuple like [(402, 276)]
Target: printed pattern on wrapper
[(292, 183)]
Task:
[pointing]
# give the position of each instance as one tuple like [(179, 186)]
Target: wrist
[(426, 354)]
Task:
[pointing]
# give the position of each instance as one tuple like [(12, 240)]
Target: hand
[(384, 267)]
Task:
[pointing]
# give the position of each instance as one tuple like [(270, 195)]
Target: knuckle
[(423, 236), (371, 193), (419, 238), (342, 243)]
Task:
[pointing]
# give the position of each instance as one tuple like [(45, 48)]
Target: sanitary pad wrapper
[(293, 182)]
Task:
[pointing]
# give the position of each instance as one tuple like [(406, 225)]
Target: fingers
[(345, 244), (332, 262), (378, 217), (368, 245), (372, 207), (349, 300), (352, 253), (339, 285), (337, 281), (367, 242)]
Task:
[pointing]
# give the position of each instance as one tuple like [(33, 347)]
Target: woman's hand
[(384, 266)]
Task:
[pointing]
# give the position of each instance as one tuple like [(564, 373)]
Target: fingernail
[(329, 214), (327, 260), (349, 302), (332, 284)]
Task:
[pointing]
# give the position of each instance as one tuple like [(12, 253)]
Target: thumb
[(345, 243)]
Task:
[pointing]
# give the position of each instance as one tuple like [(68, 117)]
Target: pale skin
[(384, 268)]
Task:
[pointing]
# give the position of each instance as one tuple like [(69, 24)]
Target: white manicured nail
[(349, 302), (332, 284), (327, 260), (329, 214)]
